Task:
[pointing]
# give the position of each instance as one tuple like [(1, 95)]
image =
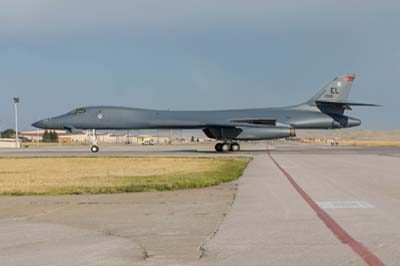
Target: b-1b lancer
[(323, 111)]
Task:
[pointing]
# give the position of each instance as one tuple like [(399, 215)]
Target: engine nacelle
[(250, 133), (266, 133)]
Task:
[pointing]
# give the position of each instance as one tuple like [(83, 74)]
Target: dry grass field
[(91, 175), (370, 143), (353, 137)]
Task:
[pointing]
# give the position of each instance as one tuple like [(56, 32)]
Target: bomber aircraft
[(323, 111)]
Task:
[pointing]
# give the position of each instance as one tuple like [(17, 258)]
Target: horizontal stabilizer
[(348, 103), (342, 103)]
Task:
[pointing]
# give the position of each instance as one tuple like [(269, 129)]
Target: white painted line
[(344, 205)]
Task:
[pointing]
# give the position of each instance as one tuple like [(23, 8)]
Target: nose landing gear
[(226, 146), (94, 148)]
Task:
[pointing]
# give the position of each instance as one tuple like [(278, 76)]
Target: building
[(37, 135), (86, 136)]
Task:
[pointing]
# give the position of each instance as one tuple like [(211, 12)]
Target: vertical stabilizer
[(337, 90)]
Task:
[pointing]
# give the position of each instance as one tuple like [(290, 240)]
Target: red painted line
[(336, 229)]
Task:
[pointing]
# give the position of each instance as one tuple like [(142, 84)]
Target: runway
[(203, 149), (270, 222)]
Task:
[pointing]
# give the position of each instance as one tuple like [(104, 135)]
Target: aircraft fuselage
[(106, 117)]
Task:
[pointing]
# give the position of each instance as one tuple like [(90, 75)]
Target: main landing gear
[(226, 146), (94, 148)]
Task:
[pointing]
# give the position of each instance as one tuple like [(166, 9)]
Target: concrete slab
[(270, 224), (118, 229), (370, 178), (27, 243)]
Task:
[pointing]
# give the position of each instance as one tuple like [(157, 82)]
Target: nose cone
[(40, 124), (353, 122)]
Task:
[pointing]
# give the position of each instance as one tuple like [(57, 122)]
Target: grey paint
[(323, 111)]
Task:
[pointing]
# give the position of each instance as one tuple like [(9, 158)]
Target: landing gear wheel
[(94, 149), (235, 147), (226, 147), (218, 147)]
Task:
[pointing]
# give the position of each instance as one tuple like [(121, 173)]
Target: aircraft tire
[(226, 147), (218, 147), (235, 147), (94, 149)]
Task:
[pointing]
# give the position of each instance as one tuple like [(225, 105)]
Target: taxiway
[(349, 216)]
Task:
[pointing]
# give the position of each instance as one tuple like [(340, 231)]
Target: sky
[(190, 54)]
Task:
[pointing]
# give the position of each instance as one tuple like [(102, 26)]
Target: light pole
[(16, 102)]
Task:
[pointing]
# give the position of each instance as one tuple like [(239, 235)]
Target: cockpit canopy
[(77, 111)]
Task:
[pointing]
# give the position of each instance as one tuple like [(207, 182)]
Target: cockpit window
[(78, 111)]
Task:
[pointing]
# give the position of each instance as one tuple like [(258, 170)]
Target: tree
[(46, 136), (8, 133), (192, 139), (54, 136), (50, 136)]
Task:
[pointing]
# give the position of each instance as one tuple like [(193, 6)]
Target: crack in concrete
[(202, 248), (146, 254)]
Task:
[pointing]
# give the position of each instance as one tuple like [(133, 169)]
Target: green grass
[(103, 175)]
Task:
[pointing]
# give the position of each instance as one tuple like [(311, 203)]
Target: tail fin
[(337, 90), (332, 99)]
